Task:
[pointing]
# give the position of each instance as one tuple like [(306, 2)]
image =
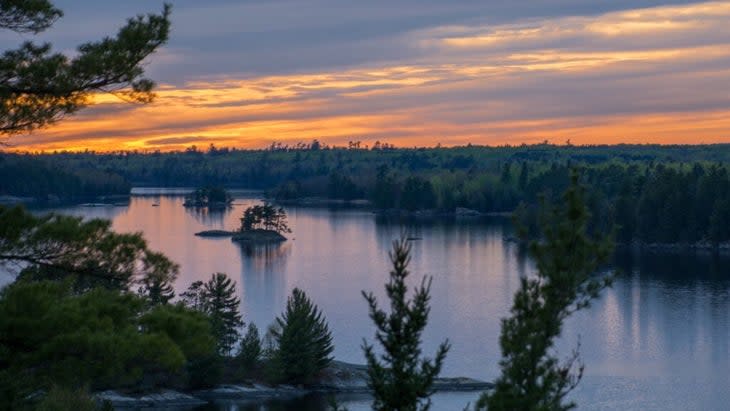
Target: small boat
[(155, 205)]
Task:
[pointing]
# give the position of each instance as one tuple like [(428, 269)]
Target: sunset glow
[(652, 75)]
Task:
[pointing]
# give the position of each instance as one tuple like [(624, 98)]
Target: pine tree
[(217, 299), (251, 348), (532, 378), (522, 182), (157, 284), (193, 297), (39, 87), (89, 252), (222, 305), (303, 341), (403, 380)]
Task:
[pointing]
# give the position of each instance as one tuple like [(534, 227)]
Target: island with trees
[(210, 197), (260, 224)]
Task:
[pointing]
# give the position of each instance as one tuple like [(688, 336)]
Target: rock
[(216, 233), (342, 377), (258, 237), (466, 212), (161, 399), (253, 391)]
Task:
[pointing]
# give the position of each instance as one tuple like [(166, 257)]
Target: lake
[(658, 340)]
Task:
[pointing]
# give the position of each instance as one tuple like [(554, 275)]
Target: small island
[(260, 224), (211, 197)]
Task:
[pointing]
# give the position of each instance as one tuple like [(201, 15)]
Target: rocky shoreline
[(246, 237), (702, 248), (339, 378)]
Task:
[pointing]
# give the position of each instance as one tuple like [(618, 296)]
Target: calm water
[(658, 340)]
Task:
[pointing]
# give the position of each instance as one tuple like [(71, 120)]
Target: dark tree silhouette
[(401, 379), (217, 299), (532, 378), (39, 87), (303, 341)]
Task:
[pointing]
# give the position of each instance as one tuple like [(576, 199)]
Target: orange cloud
[(606, 79)]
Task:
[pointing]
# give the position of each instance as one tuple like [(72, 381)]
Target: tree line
[(652, 194), (28, 176)]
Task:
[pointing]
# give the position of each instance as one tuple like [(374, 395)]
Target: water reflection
[(263, 280), (210, 216), (658, 339)]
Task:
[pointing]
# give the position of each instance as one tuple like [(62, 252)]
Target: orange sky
[(655, 75)]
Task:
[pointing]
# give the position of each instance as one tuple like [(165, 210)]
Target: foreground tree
[(51, 335), (58, 247), (217, 299), (303, 341), (401, 379), (532, 378), (251, 348), (39, 87)]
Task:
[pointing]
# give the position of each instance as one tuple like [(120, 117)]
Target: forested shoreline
[(651, 194)]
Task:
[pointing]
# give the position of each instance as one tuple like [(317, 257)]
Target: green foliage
[(101, 338), (251, 349), (65, 399), (157, 283), (417, 193), (303, 341), (217, 299), (532, 378), (652, 194), (342, 187), (39, 87), (386, 189), (266, 217), (401, 379), (28, 16), (209, 196), (189, 329), (31, 176), (58, 247)]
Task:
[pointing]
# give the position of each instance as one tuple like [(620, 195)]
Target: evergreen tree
[(401, 379), (251, 348), (524, 173), (532, 378), (303, 341), (52, 335), (58, 247), (39, 87), (157, 285), (266, 217), (217, 299), (222, 306), (193, 297)]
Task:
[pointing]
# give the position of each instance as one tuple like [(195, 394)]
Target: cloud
[(174, 140), (655, 75)]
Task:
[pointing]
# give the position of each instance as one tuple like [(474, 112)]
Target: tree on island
[(532, 378), (39, 87), (208, 196), (401, 379), (265, 217)]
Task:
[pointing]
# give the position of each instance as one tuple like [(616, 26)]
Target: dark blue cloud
[(219, 37)]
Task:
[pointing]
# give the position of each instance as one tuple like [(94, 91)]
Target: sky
[(408, 72)]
